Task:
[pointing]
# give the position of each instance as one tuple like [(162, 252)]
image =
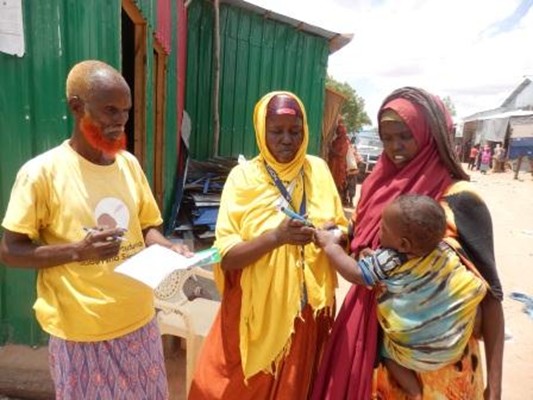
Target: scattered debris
[(508, 335), (200, 199), (526, 299)]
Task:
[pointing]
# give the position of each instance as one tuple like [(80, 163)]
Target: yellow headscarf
[(288, 171), (272, 286)]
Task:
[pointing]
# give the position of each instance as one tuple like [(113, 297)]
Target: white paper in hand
[(155, 263)]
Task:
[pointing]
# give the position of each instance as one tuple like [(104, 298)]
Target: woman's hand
[(289, 231), (292, 231)]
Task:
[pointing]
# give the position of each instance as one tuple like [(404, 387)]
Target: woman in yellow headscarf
[(277, 286)]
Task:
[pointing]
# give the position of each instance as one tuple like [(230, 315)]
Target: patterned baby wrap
[(427, 307)]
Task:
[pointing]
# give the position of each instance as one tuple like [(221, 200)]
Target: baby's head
[(412, 224)]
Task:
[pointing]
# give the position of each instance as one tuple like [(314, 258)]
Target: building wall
[(257, 55), (522, 127)]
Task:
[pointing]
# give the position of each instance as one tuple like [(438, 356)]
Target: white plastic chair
[(187, 319)]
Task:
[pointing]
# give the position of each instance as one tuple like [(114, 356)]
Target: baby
[(427, 299)]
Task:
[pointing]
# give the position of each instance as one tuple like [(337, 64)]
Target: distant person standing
[(485, 158), (498, 159), (352, 171), (474, 151), (337, 157), (458, 149)]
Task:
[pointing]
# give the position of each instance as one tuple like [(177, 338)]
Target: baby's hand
[(366, 252), (324, 237)]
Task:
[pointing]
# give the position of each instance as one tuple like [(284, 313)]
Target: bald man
[(75, 213)]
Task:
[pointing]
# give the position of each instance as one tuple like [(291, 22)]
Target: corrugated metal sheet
[(521, 97), (257, 55), (171, 121), (150, 12), (164, 24), (336, 40), (34, 115)]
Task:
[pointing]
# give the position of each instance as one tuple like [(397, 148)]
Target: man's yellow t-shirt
[(55, 196)]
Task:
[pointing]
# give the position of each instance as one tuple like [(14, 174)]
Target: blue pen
[(291, 214)]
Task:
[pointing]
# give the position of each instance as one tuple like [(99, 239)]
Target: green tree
[(449, 105), (353, 109)]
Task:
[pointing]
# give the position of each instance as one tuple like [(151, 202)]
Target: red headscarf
[(425, 174)]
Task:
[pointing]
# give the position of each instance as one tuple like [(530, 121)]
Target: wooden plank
[(160, 111), (139, 102), (133, 12), (140, 93)]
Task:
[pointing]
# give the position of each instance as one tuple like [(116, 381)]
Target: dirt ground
[(510, 202)]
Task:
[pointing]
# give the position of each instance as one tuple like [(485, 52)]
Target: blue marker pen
[(291, 214)]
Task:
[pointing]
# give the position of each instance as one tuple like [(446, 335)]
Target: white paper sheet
[(155, 263), (11, 28)]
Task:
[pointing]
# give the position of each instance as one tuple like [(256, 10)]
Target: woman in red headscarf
[(415, 127)]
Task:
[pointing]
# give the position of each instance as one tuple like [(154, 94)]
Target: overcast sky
[(475, 51)]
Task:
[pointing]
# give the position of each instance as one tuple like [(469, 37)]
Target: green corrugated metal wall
[(147, 9), (171, 122), (34, 115), (257, 55)]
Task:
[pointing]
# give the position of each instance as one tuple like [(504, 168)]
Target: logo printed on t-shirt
[(112, 213)]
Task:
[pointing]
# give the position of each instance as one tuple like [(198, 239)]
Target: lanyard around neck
[(284, 192), (287, 196)]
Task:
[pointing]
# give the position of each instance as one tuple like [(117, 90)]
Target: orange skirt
[(459, 381), (219, 375)]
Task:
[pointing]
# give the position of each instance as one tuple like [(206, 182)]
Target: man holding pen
[(76, 212)]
